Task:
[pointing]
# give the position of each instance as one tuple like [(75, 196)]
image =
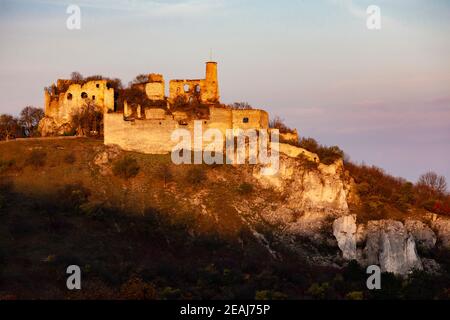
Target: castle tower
[(212, 84)]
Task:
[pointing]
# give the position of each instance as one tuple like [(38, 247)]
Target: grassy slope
[(137, 238), (41, 233)]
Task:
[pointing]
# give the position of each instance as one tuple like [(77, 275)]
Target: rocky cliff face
[(315, 194), (317, 208), (391, 246), (305, 206)]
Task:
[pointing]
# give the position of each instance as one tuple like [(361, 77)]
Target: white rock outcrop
[(392, 247), (442, 227), (423, 235), (344, 230), (316, 194)]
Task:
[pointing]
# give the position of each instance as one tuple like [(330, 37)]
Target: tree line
[(25, 125)]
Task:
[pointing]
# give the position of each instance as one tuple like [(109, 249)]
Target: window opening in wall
[(245, 120), (69, 96), (186, 88), (84, 95)]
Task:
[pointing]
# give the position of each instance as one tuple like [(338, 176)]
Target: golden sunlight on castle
[(144, 120)]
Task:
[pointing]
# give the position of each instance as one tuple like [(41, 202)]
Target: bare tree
[(241, 106), (278, 123), (9, 127), (29, 120), (139, 79), (433, 181), (76, 76)]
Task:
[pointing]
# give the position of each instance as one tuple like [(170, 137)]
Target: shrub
[(136, 289), (319, 291), (240, 106), (196, 175), (245, 188), (278, 123), (327, 155), (169, 293), (95, 210), (73, 196), (164, 173), (70, 158), (5, 165), (126, 168), (36, 158), (270, 295), (442, 207), (355, 295)]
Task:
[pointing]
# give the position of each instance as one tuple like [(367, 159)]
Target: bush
[(196, 175), (126, 168), (73, 196), (245, 188), (164, 173), (95, 210), (327, 155), (70, 158), (270, 295), (136, 289), (278, 123), (5, 165), (355, 295), (36, 158), (319, 291)]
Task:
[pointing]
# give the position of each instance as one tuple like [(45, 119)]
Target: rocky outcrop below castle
[(316, 209), (391, 244)]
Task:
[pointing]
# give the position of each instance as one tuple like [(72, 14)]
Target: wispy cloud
[(169, 8), (351, 7)]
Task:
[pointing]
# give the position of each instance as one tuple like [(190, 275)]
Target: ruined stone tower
[(211, 82), (207, 90)]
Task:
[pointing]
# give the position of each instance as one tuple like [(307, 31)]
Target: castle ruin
[(146, 125)]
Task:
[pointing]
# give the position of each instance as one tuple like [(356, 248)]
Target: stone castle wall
[(206, 89), (61, 107), (153, 136)]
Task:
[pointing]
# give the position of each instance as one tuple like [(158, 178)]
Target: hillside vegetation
[(136, 227)]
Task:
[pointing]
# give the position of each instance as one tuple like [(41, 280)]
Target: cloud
[(169, 8), (351, 7)]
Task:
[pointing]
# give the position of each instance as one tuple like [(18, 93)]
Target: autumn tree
[(9, 127), (29, 120)]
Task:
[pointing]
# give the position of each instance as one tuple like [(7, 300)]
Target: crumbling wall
[(207, 90), (153, 134), (249, 119), (155, 89), (61, 107)]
